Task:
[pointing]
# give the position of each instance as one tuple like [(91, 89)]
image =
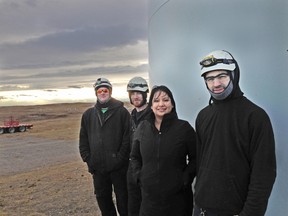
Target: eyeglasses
[(133, 85), (221, 77), (104, 90), (211, 60)]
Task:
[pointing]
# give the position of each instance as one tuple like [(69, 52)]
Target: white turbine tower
[(181, 32)]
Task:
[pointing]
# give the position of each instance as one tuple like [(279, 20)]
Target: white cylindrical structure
[(181, 32)]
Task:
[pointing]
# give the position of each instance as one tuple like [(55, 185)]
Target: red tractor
[(12, 126)]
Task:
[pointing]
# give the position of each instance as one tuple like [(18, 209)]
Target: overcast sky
[(69, 43)]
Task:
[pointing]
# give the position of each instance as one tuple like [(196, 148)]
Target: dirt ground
[(41, 172)]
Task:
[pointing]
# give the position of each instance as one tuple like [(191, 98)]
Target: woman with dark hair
[(163, 158)]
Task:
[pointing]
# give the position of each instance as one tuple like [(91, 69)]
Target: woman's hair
[(164, 89)]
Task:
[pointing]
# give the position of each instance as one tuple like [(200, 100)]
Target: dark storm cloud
[(75, 86), (44, 39), (39, 16), (15, 5), (40, 33), (80, 72), (40, 80), (60, 45)]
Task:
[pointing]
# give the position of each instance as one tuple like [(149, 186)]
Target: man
[(137, 89), (104, 146), (236, 165)]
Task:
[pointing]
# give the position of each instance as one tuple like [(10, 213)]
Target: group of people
[(149, 157)]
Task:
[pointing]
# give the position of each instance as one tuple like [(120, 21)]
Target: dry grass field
[(57, 187), (49, 121)]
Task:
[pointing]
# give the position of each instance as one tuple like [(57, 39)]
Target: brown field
[(41, 170)]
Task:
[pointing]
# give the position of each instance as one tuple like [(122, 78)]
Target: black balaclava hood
[(233, 89)]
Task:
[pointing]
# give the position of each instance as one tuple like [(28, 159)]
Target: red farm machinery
[(12, 125)]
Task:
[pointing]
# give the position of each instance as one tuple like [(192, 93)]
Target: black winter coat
[(105, 138), (236, 158), (136, 119), (159, 161), (236, 164)]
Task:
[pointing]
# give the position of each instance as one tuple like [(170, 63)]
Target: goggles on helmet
[(211, 60), (134, 85)]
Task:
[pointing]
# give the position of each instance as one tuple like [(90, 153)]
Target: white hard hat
[(137, 84), (102, 82), (217, 60)]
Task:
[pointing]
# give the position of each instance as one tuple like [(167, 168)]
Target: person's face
[(102, 94), (136, 98), (217, 81), (161, 104)]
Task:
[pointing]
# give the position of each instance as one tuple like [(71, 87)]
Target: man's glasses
[(221, 77), (104, 90), (211, 60)]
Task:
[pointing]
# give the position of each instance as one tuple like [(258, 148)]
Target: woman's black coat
[(164, 164)]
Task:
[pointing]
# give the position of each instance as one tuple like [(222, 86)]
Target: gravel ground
[(22, 154), (41, 172), (40, 176)]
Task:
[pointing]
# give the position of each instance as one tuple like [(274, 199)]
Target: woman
[(161, 146)]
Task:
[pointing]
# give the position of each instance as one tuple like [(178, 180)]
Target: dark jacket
[(136, 118), (104, 138), (236, 165), (159, 160)]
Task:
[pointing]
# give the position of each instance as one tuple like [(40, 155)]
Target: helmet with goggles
[(137, 84), (217, 60), (102, 82)]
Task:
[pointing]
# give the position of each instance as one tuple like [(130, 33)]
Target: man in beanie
[(137, 89), (104, 145), (236, 165)]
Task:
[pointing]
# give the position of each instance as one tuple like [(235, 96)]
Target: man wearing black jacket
[(236, 165), (104, 145), (137, 89)]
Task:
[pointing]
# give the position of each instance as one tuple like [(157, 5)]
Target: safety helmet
[(217, 60), (137, 84), (102, 82)]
